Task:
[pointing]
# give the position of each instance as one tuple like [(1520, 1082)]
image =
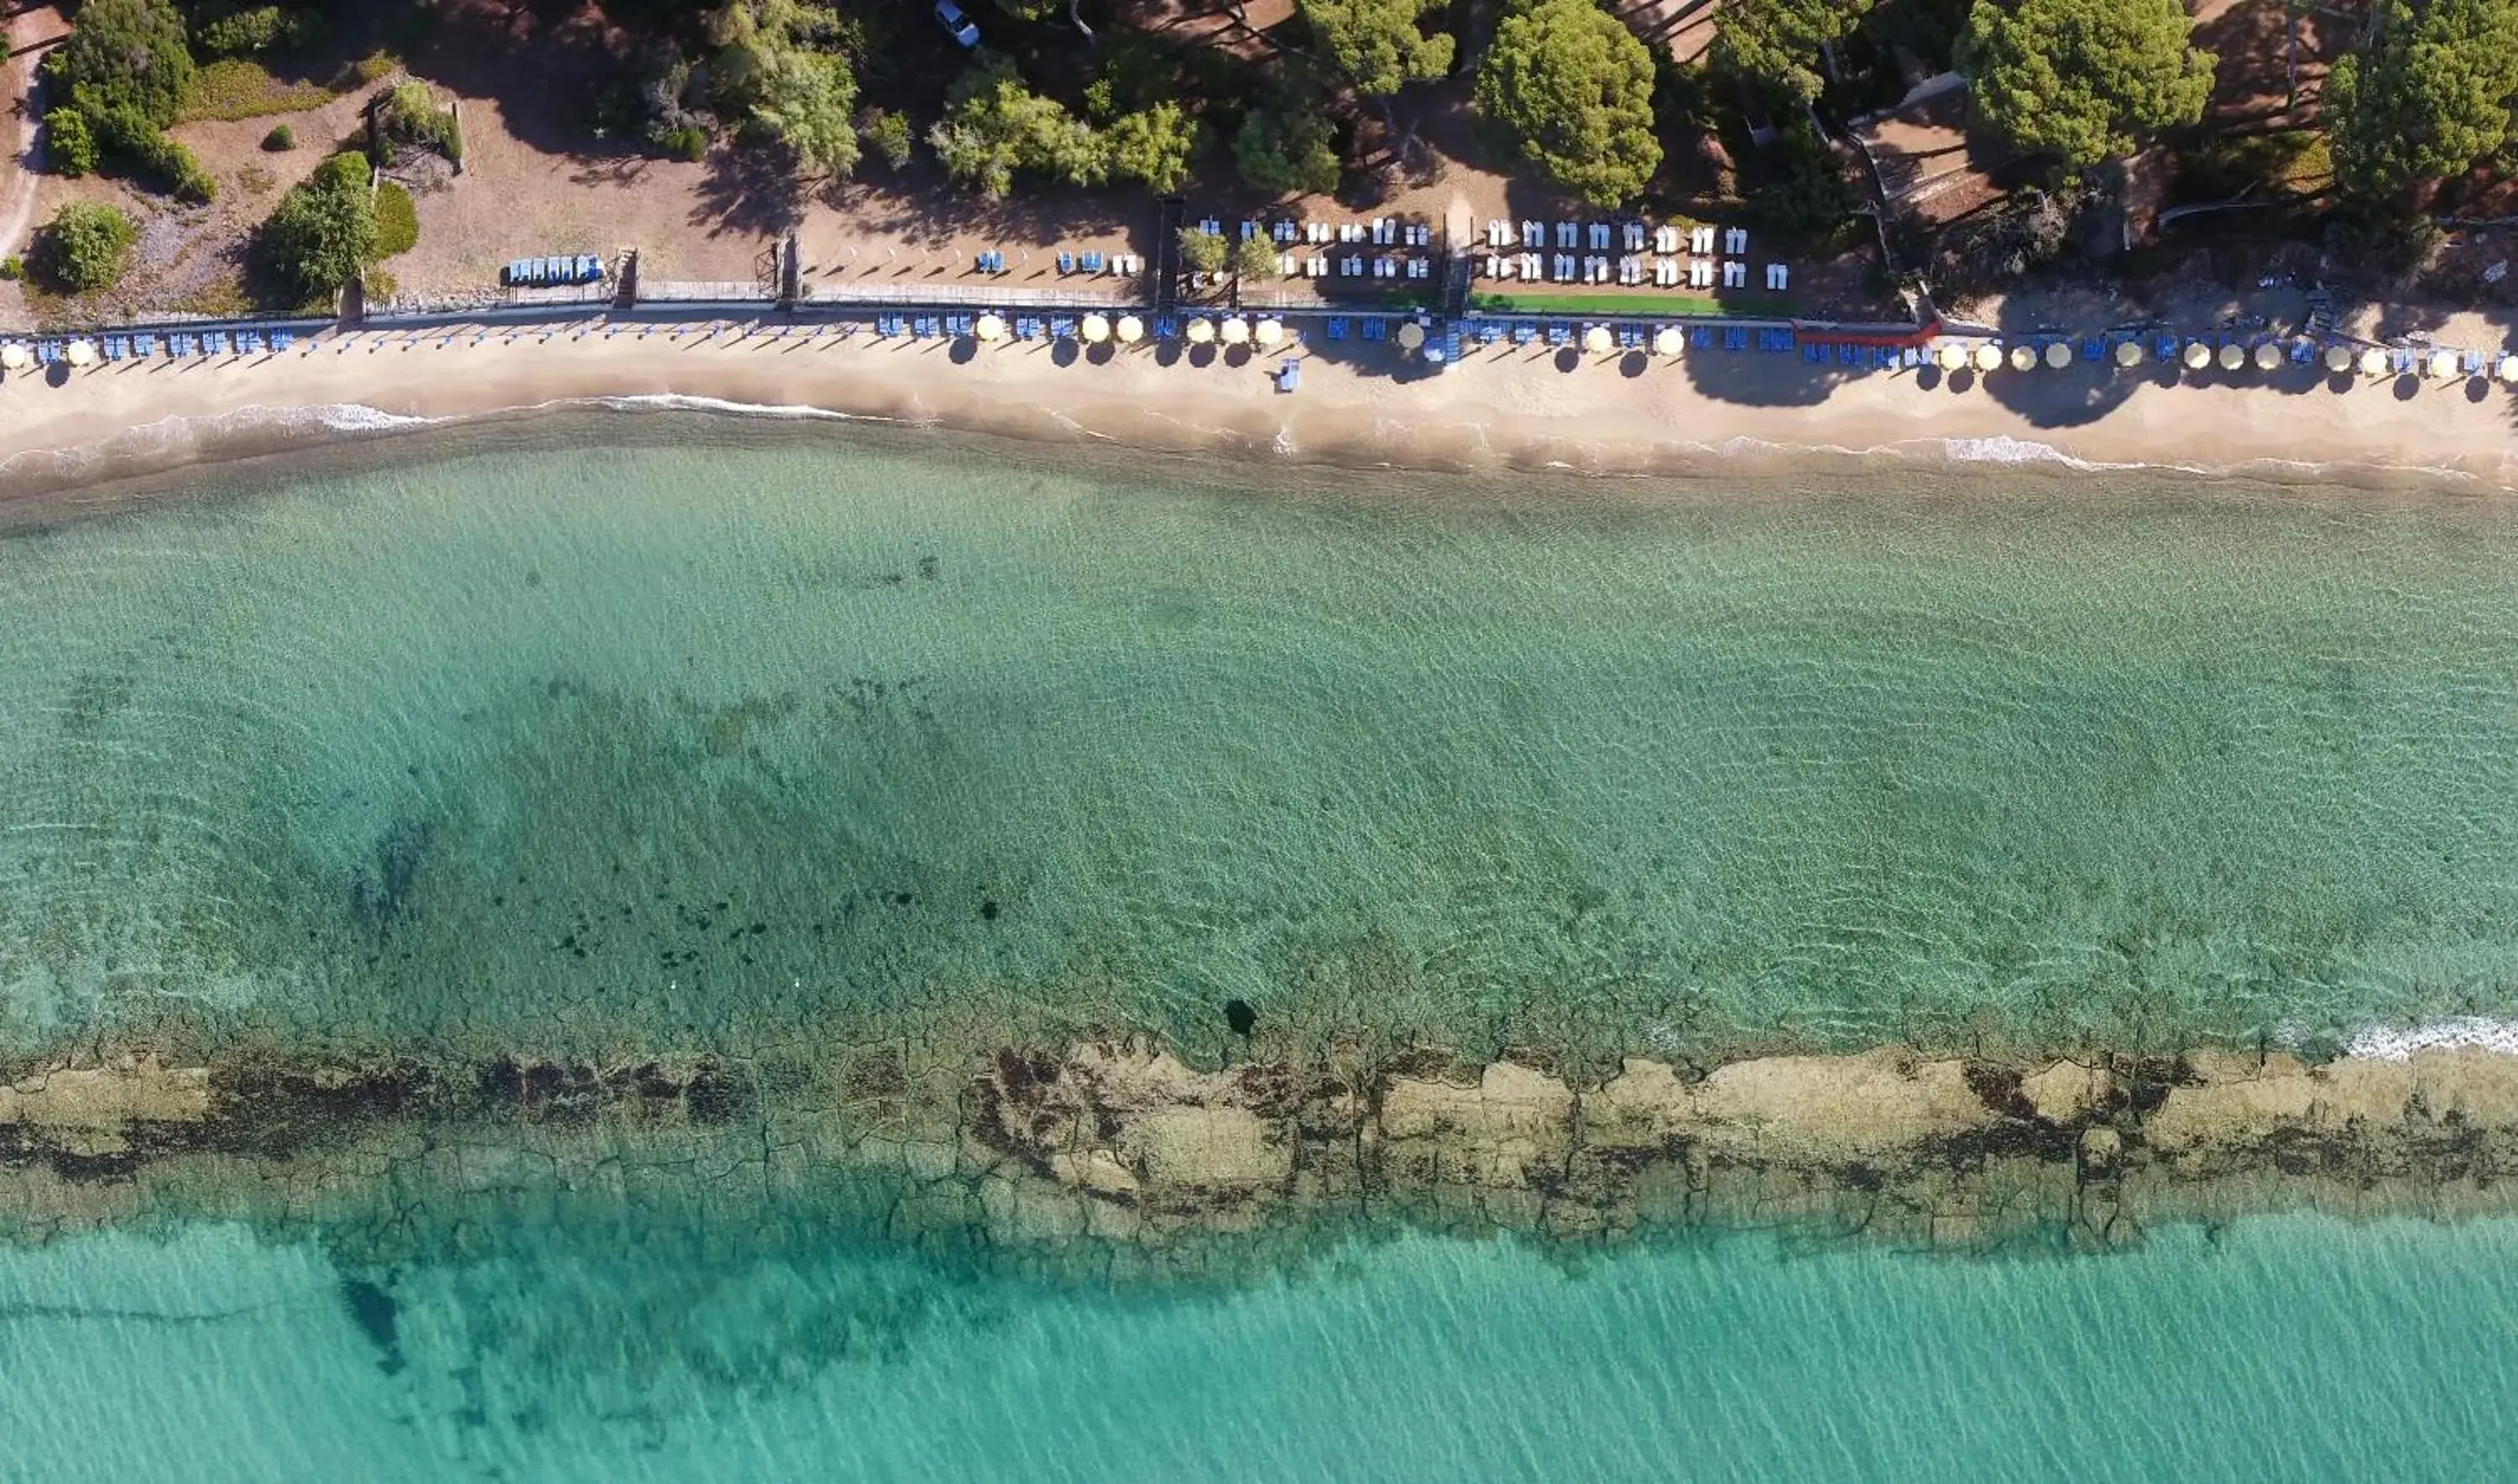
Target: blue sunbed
[(1337, 327), (1375, 328), (145, 345), (1067, 262), (1168, 329), (1091, 261), (1062, 328), (282, 340)]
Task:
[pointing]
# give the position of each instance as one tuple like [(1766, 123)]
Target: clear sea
[(691, 733)]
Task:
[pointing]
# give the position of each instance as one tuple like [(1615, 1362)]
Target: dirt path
[(30, 31)]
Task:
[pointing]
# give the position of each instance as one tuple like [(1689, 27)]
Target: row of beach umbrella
[(1128, 329), (16, 357), (2441, 366)]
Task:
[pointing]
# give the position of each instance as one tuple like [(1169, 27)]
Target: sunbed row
[(141, 346), (554, 272), (993, 260)]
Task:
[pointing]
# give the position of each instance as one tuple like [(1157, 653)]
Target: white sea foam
[(358, 417), (686, 402), (2381, 1043), (2004, 449)]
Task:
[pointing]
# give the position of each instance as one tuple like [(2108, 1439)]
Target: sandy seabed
[(1127, 1145)]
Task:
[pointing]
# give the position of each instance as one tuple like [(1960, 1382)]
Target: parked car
[(950, 16)]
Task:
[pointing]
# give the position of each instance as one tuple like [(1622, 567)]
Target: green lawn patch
[(1540, 301)]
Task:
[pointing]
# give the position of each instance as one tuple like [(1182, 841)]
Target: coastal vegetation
[(83, 250), (324, 232), (1572, 88), (2082, 80), (2349, 128)]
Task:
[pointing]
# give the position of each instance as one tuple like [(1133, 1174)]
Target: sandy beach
[(1499, 409)]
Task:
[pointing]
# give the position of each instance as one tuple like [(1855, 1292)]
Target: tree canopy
[(2083, 78), (1204, 251), (1154, 145), (2428, 98), (1286, 148), (1380, 44), (1572, 88), (1778, 41), (323, 232), (83, 248), (995, 127), (124, 53), (784, 61)]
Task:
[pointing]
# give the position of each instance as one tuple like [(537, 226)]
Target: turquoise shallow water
[(2276, 1349), (680, 731), (671, 734)]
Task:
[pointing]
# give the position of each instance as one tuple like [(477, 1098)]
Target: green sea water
[(676, 732), (2274, 1349)]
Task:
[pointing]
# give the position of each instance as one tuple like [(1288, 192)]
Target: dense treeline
[(1066, 93)]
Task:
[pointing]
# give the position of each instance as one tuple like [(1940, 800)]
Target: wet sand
[(1499, 410)]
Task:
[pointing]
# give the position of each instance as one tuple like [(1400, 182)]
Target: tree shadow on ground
[(751, 190)]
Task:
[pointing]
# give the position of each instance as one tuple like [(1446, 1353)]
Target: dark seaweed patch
[(382, 889), (377, 1316)]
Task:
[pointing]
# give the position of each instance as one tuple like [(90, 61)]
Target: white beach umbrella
[(1236, 332), (2128, 353), (1412, 337), (1130, 329), (2373, 362), (1200, 332), (1095, 329), (2022, 358), (14, 356), (2059, 355), (2442, 364), (1953, 357), (2197, 355), (2232, 358), (2338, 358), (1668, 341), (2510, 368), (1597, 340), (1987, 358), (1270, 333), (82, 353), (2268, 356), (991, 328)]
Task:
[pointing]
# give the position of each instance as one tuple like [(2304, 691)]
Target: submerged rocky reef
[(1117, 1154)]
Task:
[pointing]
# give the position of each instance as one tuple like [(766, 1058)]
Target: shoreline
[(1497, 413)]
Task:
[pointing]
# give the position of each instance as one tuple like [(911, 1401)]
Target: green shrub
[(281, 137), (127, 137), (411, 116), (397, 220), (71, 144), (689, 142), (84, 249), (324, 231), (888, 133), (124, 52), (13, 267), (252, 32)]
